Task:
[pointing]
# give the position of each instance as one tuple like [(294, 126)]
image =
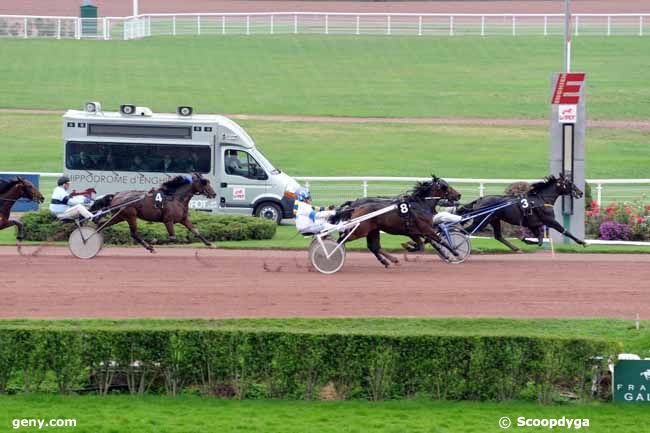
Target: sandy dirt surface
[(178, 283), (124, 7)]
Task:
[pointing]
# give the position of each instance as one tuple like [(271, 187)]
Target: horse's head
[(440, 188), (201, 186), (29, 191), (566, 187)]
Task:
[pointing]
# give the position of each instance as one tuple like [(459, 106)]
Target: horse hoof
[(211, 247)]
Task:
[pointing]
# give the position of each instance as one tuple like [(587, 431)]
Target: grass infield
[(342, 75), (191, 414)]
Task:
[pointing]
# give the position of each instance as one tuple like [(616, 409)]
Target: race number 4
[(404, 208)]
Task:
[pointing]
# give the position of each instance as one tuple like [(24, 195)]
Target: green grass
[(191, 414), (333, 75), (617, 331), (32, 142)]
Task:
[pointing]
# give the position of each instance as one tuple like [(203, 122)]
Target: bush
[(42, 226), (262, 364), (613, 231)]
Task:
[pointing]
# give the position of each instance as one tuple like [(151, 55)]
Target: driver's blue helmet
[(303, 194)]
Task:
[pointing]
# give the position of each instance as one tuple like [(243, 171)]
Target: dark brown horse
[(415, 219), (176, 194), (10, 192)]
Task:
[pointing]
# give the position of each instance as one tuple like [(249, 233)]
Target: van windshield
[(265, 162)]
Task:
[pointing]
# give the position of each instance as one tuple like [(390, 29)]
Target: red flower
[(590, 213), (639, 220), (628, 210), (594, 204), (647, 207)]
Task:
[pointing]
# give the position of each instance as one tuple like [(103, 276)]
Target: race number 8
[(524, 203), (404, 208)]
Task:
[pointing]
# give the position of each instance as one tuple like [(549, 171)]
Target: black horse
[(532, 210), (412, 217)]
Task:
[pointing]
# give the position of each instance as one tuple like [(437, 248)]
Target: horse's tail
[(466, 208), (102, 203)]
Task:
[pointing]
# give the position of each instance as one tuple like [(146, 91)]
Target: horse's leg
[(373, 245), (538, 233), (133, 225), (498, 235), (169, 225), (187, 223), (415, 245), (19, 225), (558, 227)]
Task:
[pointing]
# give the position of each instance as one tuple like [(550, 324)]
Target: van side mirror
[(261, 175)]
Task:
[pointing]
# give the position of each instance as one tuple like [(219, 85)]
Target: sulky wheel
[(85, 242), (460, 243), (318, 255)]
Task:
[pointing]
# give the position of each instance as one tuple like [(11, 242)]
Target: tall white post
[(295, 24), (357, 25), (25, 26), (248, 25), (223, 24), (327, 25), (640, 25), (135, 8), (609, 25), (198, 25), (388, 24), (451, 25), (567, 35), (58, 28), (420, 25), (174, 25), (545, 25), (514, 26), (482, 25), (272, 23)]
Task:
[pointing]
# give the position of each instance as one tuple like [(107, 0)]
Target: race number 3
[(524, 203), (404, 208)]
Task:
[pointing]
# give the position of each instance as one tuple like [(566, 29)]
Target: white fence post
[(577, 24), (223, 25), (514, 26), (25, 27), (77, 29), (481, 189), (174, 25), (248, 24), (104, 32), (58, 28), (451, 25), (388, 24), (365, 188), (148, 26), (357, 32), (482, 25), (198, 25), (272, 23), (295, 24), (420, 25), (640, 25), (545, 25), (599, 194), (327, 24), (609, 25)]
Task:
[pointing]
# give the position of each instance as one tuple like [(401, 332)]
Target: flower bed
[(619, 221)]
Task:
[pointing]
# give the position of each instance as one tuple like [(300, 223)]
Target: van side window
[(240, 163), (136, 157)]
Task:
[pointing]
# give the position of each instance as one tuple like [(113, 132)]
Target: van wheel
[(269, 211)]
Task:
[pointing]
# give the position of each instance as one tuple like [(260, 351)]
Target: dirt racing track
[(189, 283)]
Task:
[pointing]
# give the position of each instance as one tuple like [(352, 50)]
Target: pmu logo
[(567, 88)]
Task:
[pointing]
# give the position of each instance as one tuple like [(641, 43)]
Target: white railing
[(339, 189), (603, 190), (326, 23)]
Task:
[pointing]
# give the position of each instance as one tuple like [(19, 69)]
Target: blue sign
[(23, 205)]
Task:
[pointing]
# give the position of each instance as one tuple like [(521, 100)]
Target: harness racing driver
[(65, 205), (308, 219)]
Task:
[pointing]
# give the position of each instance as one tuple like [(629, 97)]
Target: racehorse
[(10, 192), (412, 217), (176, 194), (532, 210)]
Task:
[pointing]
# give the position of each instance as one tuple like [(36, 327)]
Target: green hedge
[(265, 364), (42, 225)]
